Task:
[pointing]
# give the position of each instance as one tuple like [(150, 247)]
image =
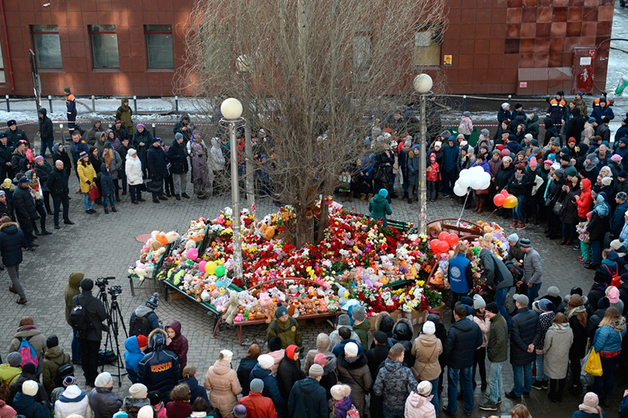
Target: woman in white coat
[(133, 170)]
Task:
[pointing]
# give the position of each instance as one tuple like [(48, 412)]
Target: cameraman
[(144, 319), (90, 340)]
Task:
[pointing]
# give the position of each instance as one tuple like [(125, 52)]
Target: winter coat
[(504, 115), (86, 174), (34, 337), (502, 178), (582, 414), (72, 289), (104, 402), (45, 126), (394, 382), (179, 344), (602, 114), (426, 350), (9, 374), (156, 163), (354, 371), (485, 326), (53, 359), (584, 201), (133, 171), (125, 115), (14, 137), (176, 157), (376, 357), (200, 171), (558, 341), (307, 399), (11, 242), (159, 370), (96, 312), (222, 382), (362, 330), (463, 339), (216, 158), (132, 357), (16, 387), (93, 133), (178, 409), (145, 137), (617, 220), (576, 126), (289, 332), (533, 268), (131, 406), (271, 388), (413, 165), (379, 208), (43, 172), (73, 401), (244, 373), (523, 333), (258, 406), (497, 346), (555, 111), (341, 407), (334, 338), (450, 156), (149, 313), (107, 187), (196, 390), (418, 406), (598, 226), (608, 338), (24, 204), (340, 348), (288, 373), (28, 407), (517, 187), (466, 126), (580, 339)]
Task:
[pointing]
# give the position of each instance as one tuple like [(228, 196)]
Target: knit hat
[(616, 244), (590, 404), (316, 370), (138, 391), (226, 355), (485, 132), (466, 300), (146, 412), (556, 142), (142, 340), (52, 341), (466, 113), (525, 243), (612, 293), (178, 136), (82, 155), (132, 151), (153, 301), (6, 411), (599, 277), (571, 140), (103, 380), (266, 361), (529, 137), (292, 352), (606, 181), (505, 105), (505, 152), (344, 320), (358, 313), (140, 125), (565, 157), (320, 359), (603, 303), (429, 328), (281, 311), (438, 144), (351, 350), (340, 391), (492, 308), (69, 381), (274, 344), (533, 163), (521, 300), (478, 302), (14, 359), (257, 385), (616, 157), (545, 305), (424, 388), (553, 291), (239, 411), (40, 158), (513, 237), (623, 174), (383, 192), (30, 388), (380, 337)]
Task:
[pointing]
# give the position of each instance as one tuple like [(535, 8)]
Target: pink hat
[(612, 293), (505, 152), (548, 162), (533, 163), (320, 359), (616, 158)]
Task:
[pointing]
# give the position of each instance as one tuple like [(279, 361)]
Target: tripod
[(114, 318)]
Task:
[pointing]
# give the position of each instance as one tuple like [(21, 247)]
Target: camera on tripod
[(102, 282), (114, 291)]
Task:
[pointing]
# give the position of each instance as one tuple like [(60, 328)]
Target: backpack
[(29, 355), (353, 412), (65, 369), (614, 275), (139, 325), (79, 317)]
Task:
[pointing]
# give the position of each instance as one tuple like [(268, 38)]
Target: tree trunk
[(304, 227), (322, 224)]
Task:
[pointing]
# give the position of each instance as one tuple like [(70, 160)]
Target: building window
[(2, 76), (47, 46), (159, 46), (361, 57), (104, 46), (427, 43)]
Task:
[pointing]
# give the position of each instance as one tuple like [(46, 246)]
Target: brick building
[(133, 47)]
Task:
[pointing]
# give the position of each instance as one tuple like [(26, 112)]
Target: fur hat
[(266, 361), (606, 181), (30, 388), (340, 391)]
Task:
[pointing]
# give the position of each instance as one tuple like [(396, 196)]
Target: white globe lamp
[(231, 109), (422, 83)]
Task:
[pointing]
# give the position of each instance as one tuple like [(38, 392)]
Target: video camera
[(114, 291), (102, 282)]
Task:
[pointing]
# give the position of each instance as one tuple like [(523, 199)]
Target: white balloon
[(464, 173), (460, 190), (464, 181), (477, 170), (486, 181), (476, 182)]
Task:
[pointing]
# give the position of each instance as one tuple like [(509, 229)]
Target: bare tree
[(317, 68)]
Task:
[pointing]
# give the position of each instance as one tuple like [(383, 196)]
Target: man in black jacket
[(156, 159), (18, 157), (58, 186), (6, 149), (179, 169), (15, 134), (25, 211), (45, 132), (90, 340)]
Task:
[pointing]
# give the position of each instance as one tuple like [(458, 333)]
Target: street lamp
[(422, 84), (231, 110), (243, 63)]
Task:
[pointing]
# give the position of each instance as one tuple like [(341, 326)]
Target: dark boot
[(481, 207), (477, 205)]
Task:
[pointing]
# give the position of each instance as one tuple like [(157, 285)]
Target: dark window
[(47, 46), (159, 47), (104, 46)]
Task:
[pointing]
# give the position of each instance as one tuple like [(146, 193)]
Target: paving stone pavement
[(104, 245)]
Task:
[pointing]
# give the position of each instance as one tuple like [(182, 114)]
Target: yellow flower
[(421, 283)]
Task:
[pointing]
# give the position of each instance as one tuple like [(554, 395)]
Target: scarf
[(518, 176), (575, 311), (590, 409), (619, 324), (601, 207), (592, 164)]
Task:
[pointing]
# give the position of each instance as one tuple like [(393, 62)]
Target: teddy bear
[(172, 236), (205, 296), (231, 308), (139, 270), (271, 308), (268, 232)]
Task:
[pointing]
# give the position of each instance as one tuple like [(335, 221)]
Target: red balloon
[(452, 239), (443, 247), (443, 236), (504, 192), (434, 244), (499, 200)]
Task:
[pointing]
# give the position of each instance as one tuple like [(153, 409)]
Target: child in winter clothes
[(585, 241), (26, 404), (433, 172), (177, 343), (196, 391), (107, 187), (418, 404), (132, 404), (179, 406), (340, 403), (53, 359), (73, 401), (159, 409), (135, 346)]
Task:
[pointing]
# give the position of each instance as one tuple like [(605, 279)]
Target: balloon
[(443, 247), (220, 270), (192, 253), (434, 244), (485, 180), (460, 190), (210, 268), (504, 192), (499, 200), (452, 239), (511, 202), (443, 236)]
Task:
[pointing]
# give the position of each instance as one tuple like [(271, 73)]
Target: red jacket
[(432, 175), (585, 200), (258, 406)]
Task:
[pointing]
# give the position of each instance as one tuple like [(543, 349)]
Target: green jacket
[(497, 347), (379, 208), (362, 329), (125, 114), (9, 374), (289, 332)]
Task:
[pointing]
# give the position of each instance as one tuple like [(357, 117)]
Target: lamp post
[(422, 84), (231, 110), (244, 66)]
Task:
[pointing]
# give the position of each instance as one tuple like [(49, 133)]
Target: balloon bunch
[(443, 242), (506, 200), (212, 268), (475, 178)]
